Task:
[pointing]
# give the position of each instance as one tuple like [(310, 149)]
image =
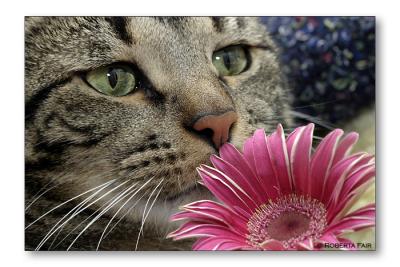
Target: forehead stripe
[(240, 22), (218, 23), (119, 25)]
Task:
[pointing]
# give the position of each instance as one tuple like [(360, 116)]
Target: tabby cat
[(119, 112)]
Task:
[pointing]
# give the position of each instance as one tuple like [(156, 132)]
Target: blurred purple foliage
[(329, 63)]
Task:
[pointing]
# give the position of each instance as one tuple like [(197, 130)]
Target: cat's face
[(80, 138)]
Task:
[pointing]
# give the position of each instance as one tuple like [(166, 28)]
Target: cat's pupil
[(112, 77), (227, 60)]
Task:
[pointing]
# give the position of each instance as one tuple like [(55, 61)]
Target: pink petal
[(357, 220), (338, 174), (351, 225), (345, 146), (194, 229), (307, 244), (292, 142), (367, 160), (232, 245), (254, 190), (352, 189), (185, 215), (248, 152), (280, 160), (209, 205), (201, 217), (230, 154), (225, 189), (187, 229), (217, 243), (272, 244), (200, 243), (242, 212), (328, 237), (268, 179), (342, 208), (368, 210), (299, 145), (212, 211), (357, 178), (321, 162)]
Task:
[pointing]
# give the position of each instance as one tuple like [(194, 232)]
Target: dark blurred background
[(329, 63)]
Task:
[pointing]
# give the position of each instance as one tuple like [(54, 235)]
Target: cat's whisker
[(310, 118), (71, 199), (116, 213), (36, 197), (73, 211), (120, 197), (303, 116), (123, 216), (76, 209), (44, 188), (70, 217), (145, 215), (87, 218), (112, 204), (317, 104), (73, 215)]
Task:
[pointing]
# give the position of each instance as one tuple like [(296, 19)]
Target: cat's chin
[(171, 206), (159, 216)]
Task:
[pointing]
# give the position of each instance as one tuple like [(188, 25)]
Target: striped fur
[(77, 138)]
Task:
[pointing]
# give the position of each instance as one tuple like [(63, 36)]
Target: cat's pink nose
[(218, 124)]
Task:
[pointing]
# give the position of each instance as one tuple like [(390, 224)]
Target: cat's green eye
[(115, 80), (230, 60)]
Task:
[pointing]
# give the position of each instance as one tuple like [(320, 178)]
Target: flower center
[(289, 219), (288, 225)]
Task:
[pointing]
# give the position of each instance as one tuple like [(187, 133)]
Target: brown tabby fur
[(77, 139)]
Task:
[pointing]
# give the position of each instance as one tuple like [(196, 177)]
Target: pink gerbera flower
[(277, 195)]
